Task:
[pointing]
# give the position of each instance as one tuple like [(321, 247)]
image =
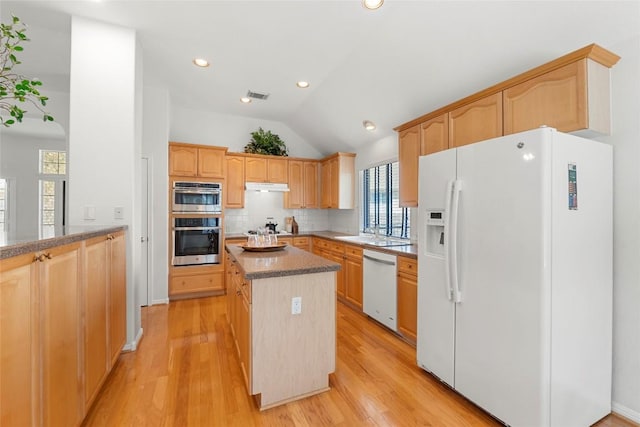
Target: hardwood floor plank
[(186, 373)]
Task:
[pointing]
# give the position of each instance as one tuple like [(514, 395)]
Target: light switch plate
[(90, 213), (296, 305), (118, 212)]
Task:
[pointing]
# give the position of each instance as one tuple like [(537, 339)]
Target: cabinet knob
[(38, 258), (47, 255), (238, 293), (109, 236)]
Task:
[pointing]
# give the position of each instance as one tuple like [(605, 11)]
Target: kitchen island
[(282, 311)]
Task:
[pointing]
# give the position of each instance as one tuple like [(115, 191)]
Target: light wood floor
[(186, 373)]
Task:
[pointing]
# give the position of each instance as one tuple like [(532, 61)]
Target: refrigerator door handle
[(447, 234), (453, 239)]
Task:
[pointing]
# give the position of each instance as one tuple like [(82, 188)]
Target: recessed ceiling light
[(245, 100), (302, 85), (369, 125), (372, 4), (200, 62)]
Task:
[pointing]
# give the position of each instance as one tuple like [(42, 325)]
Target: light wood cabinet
[(187, 160), (234, 188), (477, 121), (408, 153), (571, 98), (353, 275), (193, 283), (266, 169), (434, 135), (60, 281), (302, 242), (19, 341), (303, 185), (338, 181), (117, 294), (407, 282)]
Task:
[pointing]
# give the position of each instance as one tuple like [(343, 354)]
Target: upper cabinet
[(188, 160), (571, 94), (477, 121), (571, 98), (338, 181), (408, 153), (234, 190), (303, 185), (266, 169)]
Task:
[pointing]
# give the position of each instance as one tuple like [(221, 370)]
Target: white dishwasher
[(380, 294)]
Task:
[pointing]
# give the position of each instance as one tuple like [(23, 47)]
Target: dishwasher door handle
[(381, 261)]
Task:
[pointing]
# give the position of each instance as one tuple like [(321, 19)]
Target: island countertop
[(10, 247), (289, 261)]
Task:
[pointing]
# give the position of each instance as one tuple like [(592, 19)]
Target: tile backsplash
[(258, 206)]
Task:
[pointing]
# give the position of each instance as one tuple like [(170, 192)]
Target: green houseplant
[(265, 142), (16, 89)]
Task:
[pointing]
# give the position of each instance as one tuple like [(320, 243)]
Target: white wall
[(207, 128), (155, 148), (625, 139), (104, 137)]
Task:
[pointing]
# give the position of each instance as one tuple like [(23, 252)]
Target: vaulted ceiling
[(388, 66)]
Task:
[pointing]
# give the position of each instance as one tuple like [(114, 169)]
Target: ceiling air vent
[(256, 95)]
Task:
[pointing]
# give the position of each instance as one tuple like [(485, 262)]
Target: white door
[(143, 289), (503, 258), (436, 311)]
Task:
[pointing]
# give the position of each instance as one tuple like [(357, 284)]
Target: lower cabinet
[(349, 277), (302, 242), (189, 281), (407, 281), (63, 320), (239, 306)]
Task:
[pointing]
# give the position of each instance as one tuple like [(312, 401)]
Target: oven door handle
[(196, 228), (203, 191)]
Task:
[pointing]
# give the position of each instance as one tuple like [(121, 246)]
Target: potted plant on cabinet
[(265, 142)]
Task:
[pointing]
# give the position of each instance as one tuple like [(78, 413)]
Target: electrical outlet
[(296, 305)]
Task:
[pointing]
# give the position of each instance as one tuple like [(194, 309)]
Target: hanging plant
[(265, 142), (16, 89)]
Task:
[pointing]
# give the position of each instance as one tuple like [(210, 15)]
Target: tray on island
[(277, 247)]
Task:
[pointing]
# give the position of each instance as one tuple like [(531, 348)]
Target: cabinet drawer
[(407, 265), (353, 251), (245, 286), (204, 282), (301, 242)]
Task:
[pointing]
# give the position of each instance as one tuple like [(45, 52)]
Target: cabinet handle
[(47, 255), (238, 293), (110, 237), (38, 258)]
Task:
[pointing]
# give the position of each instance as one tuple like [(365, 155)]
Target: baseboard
[(625, 412), (132, 346), (160, 301)]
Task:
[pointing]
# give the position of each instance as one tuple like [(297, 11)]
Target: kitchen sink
[(375, 241)]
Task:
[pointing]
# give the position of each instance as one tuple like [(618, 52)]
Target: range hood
[(266, 186)]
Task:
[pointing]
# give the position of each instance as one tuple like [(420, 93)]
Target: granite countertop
[(10, 247), (410, 251), (289, 261)]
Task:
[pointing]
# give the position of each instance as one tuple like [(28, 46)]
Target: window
[(53, 169), (381, 202), (3, 204)]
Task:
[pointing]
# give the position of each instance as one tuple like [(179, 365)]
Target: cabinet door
[(477, 121), (96, 285), (234, 188), (311, 185), (117, 296), (325, 198), (278, 170), (60, 322), (340, 288), (334, 185), (353, 281), (18, 342), (294, 198), (407, 305), (211, 162), (255, 169), (408, 153), (434, 135), (183, 161), (557, 99)]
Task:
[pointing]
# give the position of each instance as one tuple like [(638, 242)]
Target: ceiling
[(388, 66)]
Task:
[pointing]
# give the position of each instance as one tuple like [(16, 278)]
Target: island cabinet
[(189, 160), (407, 279), (266, 169), (572, 98), (283, 319), (333, 251), (338, 181), (303, 185), (233, 192)]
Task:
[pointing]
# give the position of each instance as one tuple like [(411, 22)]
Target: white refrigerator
[(515, 276)]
